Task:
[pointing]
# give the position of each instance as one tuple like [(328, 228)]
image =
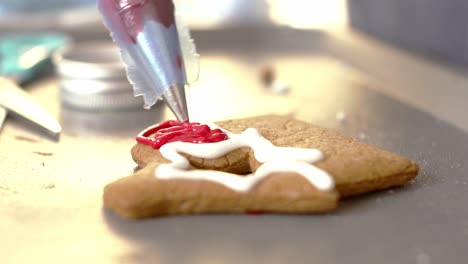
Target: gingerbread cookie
[(269, 163)]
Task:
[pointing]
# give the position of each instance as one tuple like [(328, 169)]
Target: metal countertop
[(50, 192)]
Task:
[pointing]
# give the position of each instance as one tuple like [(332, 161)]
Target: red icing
[(165, 12), (254, 212), (132, 13), (171, 131), (179, 62)]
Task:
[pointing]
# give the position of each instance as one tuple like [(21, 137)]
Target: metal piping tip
[(174, 97)]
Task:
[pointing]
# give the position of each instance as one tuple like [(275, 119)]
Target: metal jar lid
[(92, 77)]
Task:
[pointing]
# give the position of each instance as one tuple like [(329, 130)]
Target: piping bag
[(154, 48)]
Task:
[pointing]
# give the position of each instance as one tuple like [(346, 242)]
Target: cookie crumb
[(269, 79), (28, 139), (49, 186), (43, 153), (267, 75)]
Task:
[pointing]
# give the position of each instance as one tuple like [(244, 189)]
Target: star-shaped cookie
[(354, 167)]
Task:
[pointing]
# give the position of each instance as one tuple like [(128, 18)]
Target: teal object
[(22, 56)]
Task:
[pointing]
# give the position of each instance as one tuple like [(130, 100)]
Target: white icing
[(274, 159)]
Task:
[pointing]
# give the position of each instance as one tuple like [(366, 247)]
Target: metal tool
[(14, 99), (22, 57), (147, 34), (3, 114), (92, 78)]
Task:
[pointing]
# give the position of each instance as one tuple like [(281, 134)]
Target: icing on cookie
[(274, 159), (171, 131)]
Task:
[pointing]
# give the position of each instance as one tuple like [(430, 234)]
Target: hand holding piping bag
[(148, 37)]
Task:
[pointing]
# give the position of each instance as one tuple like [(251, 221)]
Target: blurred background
[(390, 73), (413, 50), (429, 27)]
